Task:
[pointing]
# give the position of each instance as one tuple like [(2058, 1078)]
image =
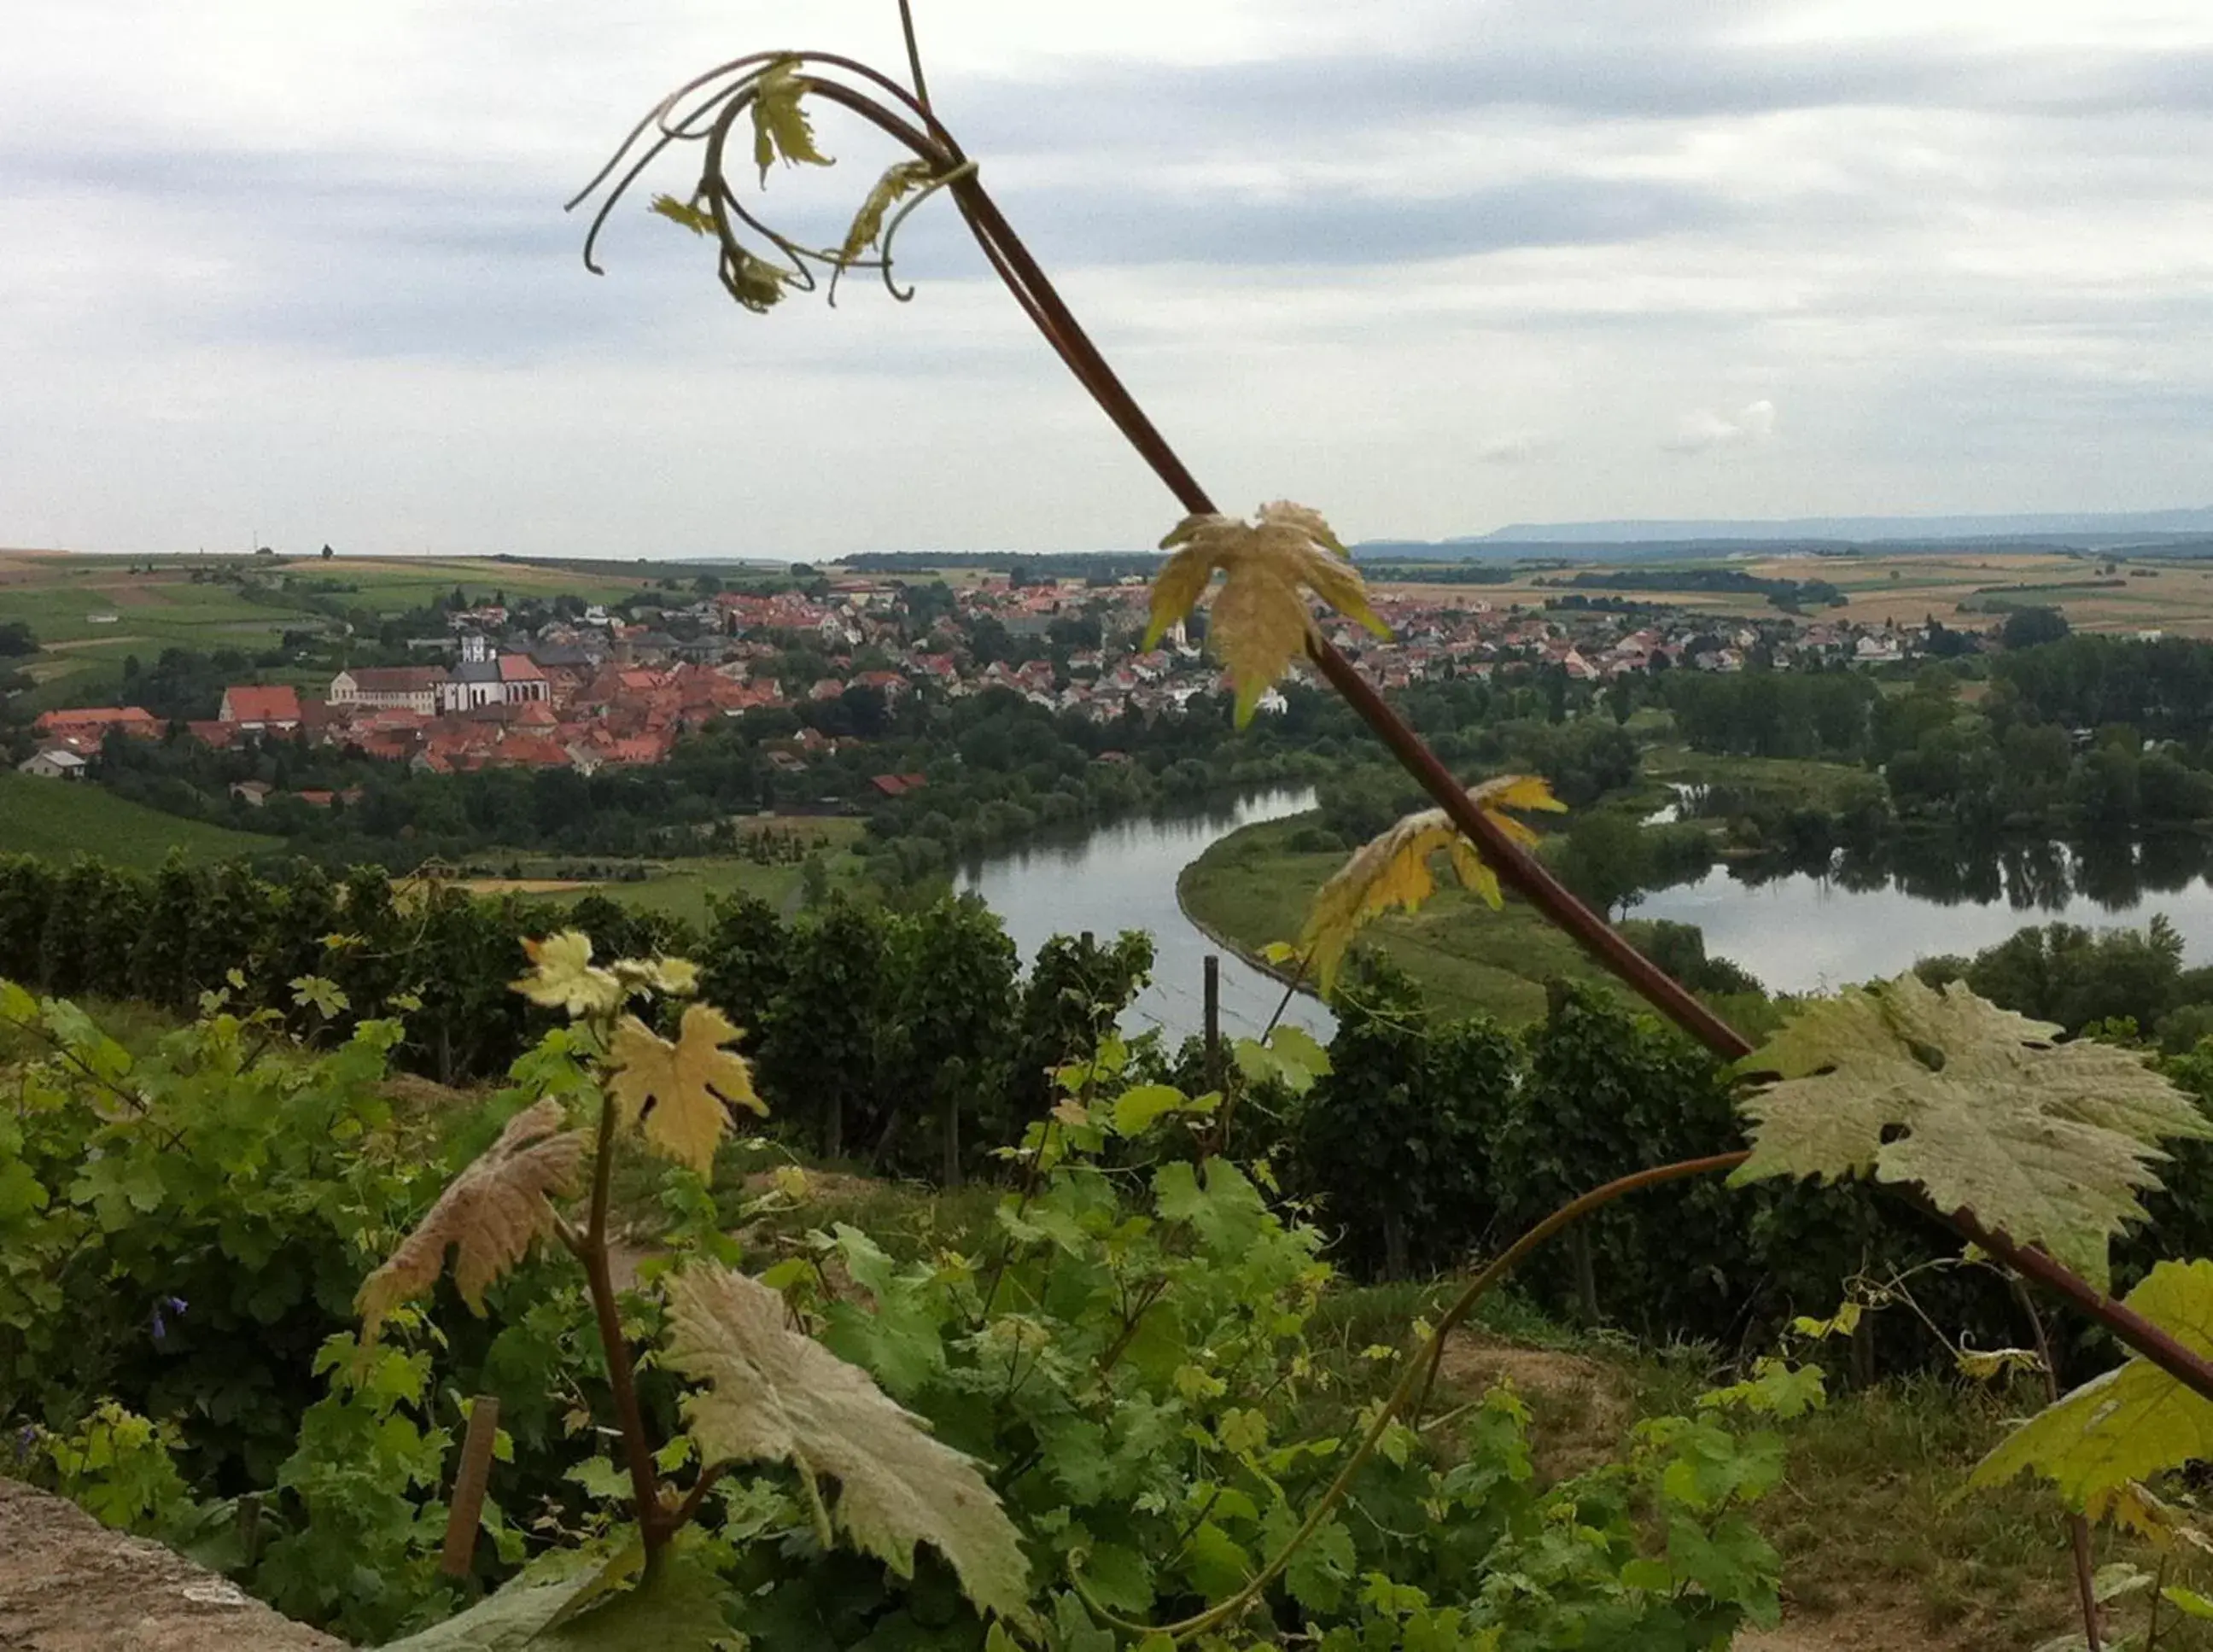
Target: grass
[(681, 889), (1818, 784), (59, 818), (1252, 888)]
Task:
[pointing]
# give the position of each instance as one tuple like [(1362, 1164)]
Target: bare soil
[(69, 1584)]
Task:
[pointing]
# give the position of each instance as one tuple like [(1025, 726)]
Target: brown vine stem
[(654, 1523), (1413, 1381), (2078, 1529)]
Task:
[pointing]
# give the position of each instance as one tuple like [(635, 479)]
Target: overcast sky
[(1429, 265)]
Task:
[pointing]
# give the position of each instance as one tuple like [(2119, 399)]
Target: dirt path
[(69, 1584)]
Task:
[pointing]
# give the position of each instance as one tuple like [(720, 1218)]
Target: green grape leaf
[(2050, 1143), (780, 125), (901, 179), (1137, 1110), (322, 993), (774, 1394), (585, 1602), (2129, 1423)]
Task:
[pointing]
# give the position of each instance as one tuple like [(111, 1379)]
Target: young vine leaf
[(1261, 618), (678, 1089), (1392, 870), (2129, 1423), (491, 1215), (900, 180), (774, 1394), (2050, 1143), (563, 976), (780, 125), (697, 219)]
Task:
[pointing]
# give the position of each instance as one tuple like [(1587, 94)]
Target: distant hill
[(57, 819), (2152, 530)]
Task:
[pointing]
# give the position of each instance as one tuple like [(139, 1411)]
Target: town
[(592, 688)]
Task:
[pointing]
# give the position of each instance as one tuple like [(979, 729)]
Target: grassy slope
[(681, 888), (59, 818)]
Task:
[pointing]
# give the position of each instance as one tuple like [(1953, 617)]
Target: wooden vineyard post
[(1214, 1074), (469, 1483)]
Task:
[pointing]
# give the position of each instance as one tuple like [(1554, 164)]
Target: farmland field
[(1965, 589), (58, 819)]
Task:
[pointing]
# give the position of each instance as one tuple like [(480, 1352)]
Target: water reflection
[(1122, 876), (1832, 916)]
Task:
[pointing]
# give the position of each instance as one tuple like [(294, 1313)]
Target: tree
[(2029, 627), (1605, 861), (328, 553)]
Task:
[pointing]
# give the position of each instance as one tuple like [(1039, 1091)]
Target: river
[(1803, 932), (1122, 876)]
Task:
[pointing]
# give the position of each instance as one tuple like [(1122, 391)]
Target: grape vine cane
[(1261, 618)]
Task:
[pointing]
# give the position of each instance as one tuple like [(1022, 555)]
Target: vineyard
[(453, 1276)]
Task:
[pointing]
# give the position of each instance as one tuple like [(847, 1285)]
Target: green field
[(91, 613), (58, 819), (681, 889)]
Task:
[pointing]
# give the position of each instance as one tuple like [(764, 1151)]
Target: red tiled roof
[(250, 704)]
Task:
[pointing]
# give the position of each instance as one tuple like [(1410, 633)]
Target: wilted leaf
[(2132, 1422), (780, 125), (774, 1394), (2049, 1144), (1393, 869), (679, 1089), (1261, 618), (562, 976), (901, 179), (678, 978), (757, 284), (491, 1215)]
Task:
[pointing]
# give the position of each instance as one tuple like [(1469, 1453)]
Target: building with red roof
[(257, 709)]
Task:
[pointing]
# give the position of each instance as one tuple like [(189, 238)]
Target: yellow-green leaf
[(2049, 1144), (780, 125), (2132, 1422), (900, 179), (772, 1394), (678, 1090), (562, 976), (1260, 620), (697, 219), (1392, 870)]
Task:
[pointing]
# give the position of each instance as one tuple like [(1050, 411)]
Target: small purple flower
[(175, 1305), (27, 1441)]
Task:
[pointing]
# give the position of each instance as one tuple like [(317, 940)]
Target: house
[(88, 725), (253, 793), (260, 709), (521, 680), (59, 763), (410, 688)]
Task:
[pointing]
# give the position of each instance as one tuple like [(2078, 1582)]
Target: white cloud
[(303, 268), (1703, 429)]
